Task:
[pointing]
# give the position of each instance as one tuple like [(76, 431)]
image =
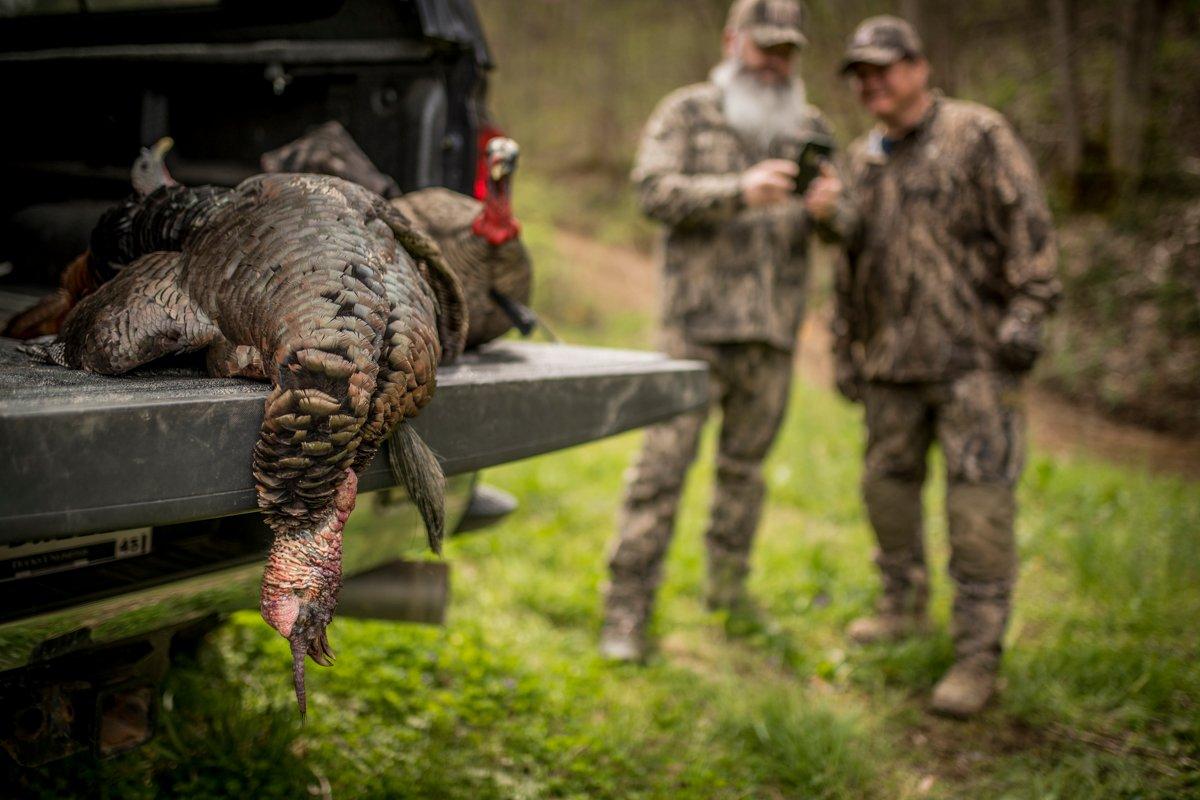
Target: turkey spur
[(322, 288)]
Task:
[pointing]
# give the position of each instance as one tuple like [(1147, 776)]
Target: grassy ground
[(1102, 685)]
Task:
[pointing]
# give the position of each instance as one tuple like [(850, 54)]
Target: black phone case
[(812, 156)]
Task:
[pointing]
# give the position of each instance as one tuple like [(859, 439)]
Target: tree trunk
[(1062, 15), (604, 102), (934, 21), (911, 11), (1139, 28)]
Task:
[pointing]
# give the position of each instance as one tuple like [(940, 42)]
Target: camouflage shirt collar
[(929, 116), (876, 151)]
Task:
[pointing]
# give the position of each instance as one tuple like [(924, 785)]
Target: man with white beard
[(717, 168)]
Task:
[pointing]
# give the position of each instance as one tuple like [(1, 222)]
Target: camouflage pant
[(978, 421), (750, 384)]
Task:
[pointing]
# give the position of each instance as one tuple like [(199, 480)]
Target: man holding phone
[(949, 274), (715, 168)]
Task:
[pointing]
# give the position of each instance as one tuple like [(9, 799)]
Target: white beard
[(759, 112)]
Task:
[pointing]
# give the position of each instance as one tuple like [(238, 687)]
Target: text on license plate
[(30, 559)]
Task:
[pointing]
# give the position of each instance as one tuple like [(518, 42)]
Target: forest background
[(1104, 93)]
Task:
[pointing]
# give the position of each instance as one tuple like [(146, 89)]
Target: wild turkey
[(93, 267), (330, 150), (322, 288), (480, 240)]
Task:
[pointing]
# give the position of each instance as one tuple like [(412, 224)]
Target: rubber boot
[(894, 508)]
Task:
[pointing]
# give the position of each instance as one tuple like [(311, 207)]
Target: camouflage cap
[(882, 41), (768, 22)]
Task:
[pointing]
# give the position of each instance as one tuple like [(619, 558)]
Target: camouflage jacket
[(729, 273), (943, 236)]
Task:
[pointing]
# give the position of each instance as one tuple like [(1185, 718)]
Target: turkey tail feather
[(416, 466)]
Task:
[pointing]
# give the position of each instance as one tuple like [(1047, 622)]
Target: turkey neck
[(496, 224), (307, 564)]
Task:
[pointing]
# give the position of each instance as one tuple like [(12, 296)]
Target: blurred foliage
[(511, 701), (1128, 335), (576, 79)]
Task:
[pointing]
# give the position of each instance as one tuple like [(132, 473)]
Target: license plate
[(31, 559)]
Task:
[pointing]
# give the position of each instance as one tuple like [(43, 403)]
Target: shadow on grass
[(213, 740)]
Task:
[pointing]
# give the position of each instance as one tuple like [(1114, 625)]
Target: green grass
[(1101, 686)]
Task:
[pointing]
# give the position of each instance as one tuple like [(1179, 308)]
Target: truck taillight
[(486, 134)]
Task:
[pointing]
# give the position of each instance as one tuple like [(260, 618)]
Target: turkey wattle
[(322, 288)]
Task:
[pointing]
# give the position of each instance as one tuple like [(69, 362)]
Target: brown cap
[(882, 41), (768, 22)]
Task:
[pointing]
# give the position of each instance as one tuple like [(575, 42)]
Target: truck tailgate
[(81, 453)]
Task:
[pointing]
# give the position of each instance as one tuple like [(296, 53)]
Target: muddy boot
[(626, 616), (965, 689), (726, 590), (980, 617), (894, 508), (900, 612), (983, 564)]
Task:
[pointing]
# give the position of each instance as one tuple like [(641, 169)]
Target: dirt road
[(625, 278)]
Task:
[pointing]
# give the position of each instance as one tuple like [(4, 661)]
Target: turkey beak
[(162, 147), (500, 169)]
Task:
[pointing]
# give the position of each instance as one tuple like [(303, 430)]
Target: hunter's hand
[(769, 182), (1020, 339), (823, 194), (849, 384)]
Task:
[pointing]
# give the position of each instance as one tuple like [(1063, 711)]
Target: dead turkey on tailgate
[(326, 291), (480, 239)]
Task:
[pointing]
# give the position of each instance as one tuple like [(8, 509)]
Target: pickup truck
[(127, 507)]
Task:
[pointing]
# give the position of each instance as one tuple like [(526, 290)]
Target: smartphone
[(813, 153)]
